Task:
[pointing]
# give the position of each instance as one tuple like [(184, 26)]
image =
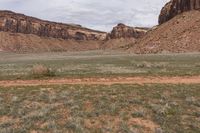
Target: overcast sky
[(96, 14)]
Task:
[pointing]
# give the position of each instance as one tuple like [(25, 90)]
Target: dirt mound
[(180, 34)]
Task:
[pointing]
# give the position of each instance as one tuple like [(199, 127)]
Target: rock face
[(21, 33), (121, 36), (123, 31), (174, 7), (19, 23)]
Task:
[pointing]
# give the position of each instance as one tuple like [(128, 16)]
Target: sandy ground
[(105, 81)]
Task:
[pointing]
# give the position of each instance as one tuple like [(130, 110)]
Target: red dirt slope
[(180, 34)]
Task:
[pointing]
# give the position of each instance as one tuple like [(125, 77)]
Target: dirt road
[(104, 81)]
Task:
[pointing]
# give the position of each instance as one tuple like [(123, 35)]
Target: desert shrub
[(42, 71), (144, 65), (138, 114)]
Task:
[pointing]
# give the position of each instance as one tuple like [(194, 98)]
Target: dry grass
[(98, 64), (151, 108), (42, 71)]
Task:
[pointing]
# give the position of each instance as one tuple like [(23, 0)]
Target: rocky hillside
[(175, 7), (178, 31), (179, 34), (19, 23)]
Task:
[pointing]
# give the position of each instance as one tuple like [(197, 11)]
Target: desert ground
[(99, 92)]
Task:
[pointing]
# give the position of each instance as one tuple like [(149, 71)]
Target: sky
[(96, 14)]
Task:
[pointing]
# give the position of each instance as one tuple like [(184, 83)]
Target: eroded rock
[(174, 7), (19, 23), (123, 31)]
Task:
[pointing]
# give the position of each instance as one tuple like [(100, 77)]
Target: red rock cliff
[(19, 23), (123, 31), (175, 7)]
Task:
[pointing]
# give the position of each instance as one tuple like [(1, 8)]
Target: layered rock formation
[(122, 35), (19, 23), (20, 33), (175, 7), (123, 31)]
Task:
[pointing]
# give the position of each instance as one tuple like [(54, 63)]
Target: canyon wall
[(175, 7), (19, 23)]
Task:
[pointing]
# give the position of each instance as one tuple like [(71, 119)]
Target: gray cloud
[(97, 14)]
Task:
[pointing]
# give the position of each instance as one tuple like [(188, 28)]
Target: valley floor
[(99, 92), (149, 108), (96, 64)]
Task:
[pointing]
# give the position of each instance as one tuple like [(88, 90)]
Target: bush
[(42, 71)]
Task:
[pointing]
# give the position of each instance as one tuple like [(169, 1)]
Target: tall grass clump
[(40, 70)]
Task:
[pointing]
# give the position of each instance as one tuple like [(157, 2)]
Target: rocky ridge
[(19, 23)]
